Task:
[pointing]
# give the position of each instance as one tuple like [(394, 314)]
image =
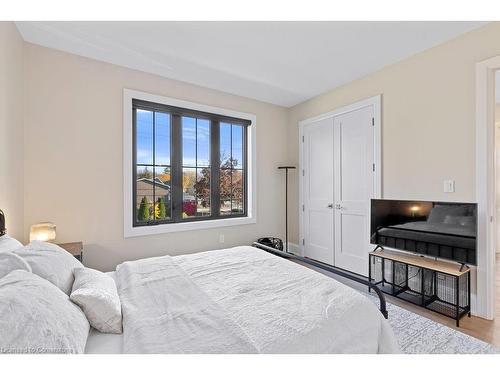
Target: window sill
[(188, 226)]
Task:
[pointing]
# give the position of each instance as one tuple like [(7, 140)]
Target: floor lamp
[(286, 168)]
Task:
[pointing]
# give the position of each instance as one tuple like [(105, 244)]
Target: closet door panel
[(353, 176), (318, 191)]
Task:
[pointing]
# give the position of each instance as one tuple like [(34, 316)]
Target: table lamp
[(43, 232)]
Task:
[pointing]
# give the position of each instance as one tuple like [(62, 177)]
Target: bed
[(237, 300), (242, 300)]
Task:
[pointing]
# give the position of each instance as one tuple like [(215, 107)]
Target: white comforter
[(243, 300), (164, 311)]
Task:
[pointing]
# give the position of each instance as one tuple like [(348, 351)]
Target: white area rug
[(419, 335)]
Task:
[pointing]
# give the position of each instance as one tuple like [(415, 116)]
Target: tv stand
[(462, 266), (439, 286)]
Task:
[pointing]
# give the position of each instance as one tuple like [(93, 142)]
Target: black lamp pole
[(286, 168)]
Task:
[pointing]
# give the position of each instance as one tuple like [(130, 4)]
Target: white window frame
[(128, 228)]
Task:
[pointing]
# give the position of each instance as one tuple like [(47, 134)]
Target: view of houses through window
[(176, 178), (153, 186)]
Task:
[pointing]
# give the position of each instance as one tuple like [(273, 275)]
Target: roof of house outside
[(155, 181)]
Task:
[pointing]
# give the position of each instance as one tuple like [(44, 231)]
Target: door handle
[(330, 205)]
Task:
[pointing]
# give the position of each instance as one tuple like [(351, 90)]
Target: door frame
[(483, 302), (376, 102)]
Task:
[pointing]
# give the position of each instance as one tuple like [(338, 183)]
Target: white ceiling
[(283, 63)]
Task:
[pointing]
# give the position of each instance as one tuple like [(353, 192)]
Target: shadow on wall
[(106, 258), (94, 251)]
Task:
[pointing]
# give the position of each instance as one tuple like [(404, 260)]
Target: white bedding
[(37, 317), (270, 304), (96, 294), (104, 343), (164, 311)]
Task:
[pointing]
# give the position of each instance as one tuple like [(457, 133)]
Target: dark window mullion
[(215, 168), (171, 203), (176, 171), (154, 167), (195, 164), (231, 172), (134, 164), (231, 188), (244, 155), (196, 142)]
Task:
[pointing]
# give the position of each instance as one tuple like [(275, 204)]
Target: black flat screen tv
[(440, 229)]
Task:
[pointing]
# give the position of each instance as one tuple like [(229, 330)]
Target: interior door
[(354, 187), (318, 190)]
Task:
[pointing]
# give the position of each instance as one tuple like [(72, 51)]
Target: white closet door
[(318, 190), (354, 187)]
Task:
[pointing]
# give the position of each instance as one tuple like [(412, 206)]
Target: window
[(232, 171), (188, 165)]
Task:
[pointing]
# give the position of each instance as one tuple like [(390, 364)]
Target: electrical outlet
[(449, 186), (221, 238)]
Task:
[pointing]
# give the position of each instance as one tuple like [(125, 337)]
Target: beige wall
[(497, 124), (11, 128), (73, 157), (73, 130), (428, 119)]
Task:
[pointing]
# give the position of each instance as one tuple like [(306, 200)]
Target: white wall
[(73, 157), (11, 128)]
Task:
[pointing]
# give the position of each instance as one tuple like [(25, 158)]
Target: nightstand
[(74, 248)]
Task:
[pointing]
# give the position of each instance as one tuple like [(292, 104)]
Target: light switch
[(449, 186)]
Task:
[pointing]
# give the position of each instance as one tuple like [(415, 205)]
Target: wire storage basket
[(447, 294)]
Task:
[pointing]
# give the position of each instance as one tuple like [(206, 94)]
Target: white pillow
[(51, 262), (95, 292), (36, 317), (9, 244), (10, 262)]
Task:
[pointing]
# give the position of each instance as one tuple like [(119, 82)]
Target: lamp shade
[(43, 232)]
